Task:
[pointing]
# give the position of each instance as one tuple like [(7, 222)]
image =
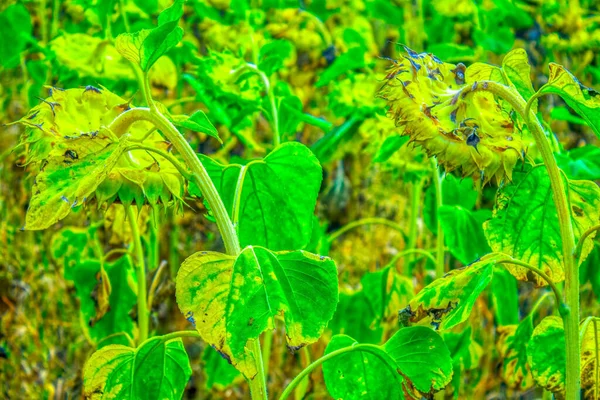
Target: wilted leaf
[(590, 368), (512, 346), (387, 291), (584, 100), (233, 300), (155, 371), (517, 70), (448, 301)]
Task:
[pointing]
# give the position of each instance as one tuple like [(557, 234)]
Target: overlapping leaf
[(157, 370), (413, 359)]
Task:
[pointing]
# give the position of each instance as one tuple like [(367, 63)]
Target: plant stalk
[(440, 265), (142, 302), (570, 314)]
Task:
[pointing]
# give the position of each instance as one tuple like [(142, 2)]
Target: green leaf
[(359, 374), (448, 301), (517, 70), (452, 52), (15, 32), (273, 55), (197, 122), (387, 291), (463, 232), (155, 370), (422, 358), (354, 58), (525, 225), (389, 147), (146, 46), (563, 114), (546, 354), (584, 100), (455, 192), (217, 371), (273, 199), (581, 162), (414, 358), (505, 297), (355, 316), (512, 346), (65, 183), (233, 300)]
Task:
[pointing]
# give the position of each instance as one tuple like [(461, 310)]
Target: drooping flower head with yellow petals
[(430, 101)]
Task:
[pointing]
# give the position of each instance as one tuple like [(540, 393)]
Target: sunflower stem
[(570, 315)]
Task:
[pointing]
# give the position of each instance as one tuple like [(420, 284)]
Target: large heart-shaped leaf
[(448, 301), (156, 370), (273, 199), (233, 300), (414, 358), (584, 100), (525, 224)]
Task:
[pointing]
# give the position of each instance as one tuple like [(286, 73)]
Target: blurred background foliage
[(324, 62)]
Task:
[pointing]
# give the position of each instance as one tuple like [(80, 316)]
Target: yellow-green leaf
[(231, 301), (448, 301), (590, 360), (546, 354)]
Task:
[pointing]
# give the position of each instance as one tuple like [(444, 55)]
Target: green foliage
[(155, 370), (15, 33), (271, 200), (389, 369)]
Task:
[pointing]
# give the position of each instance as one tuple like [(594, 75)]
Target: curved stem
[(368, 348), (571, 294), (164, 155), (580, 243), (412, 251), (555, 289), (180, 334), (142, 303), (199, 175), (440, 264), (364, 221)]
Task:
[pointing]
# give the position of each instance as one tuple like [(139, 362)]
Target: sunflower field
[(312, 199)]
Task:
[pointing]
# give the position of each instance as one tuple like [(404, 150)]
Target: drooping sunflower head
[(428, 100), (77, 159)]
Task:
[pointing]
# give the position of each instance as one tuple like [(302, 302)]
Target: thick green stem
[(258, 384), (368, 348), (142, 303), (571, 292), (364, 221), (199, 174), (440, 265)]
